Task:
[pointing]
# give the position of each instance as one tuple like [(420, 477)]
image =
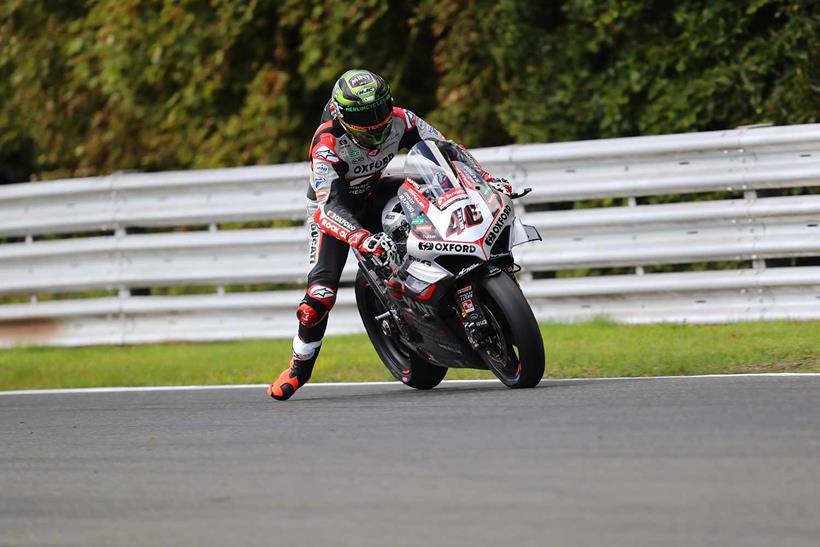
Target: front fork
[(377, 273), (479, 332)]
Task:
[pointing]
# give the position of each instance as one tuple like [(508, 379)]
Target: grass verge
[(596, 349)]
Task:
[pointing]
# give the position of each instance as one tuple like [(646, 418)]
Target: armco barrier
[(99, 246)]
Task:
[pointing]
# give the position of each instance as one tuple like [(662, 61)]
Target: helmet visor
[(369, 123)]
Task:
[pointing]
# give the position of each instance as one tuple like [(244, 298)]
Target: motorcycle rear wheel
[(518, 360), (403, 363)]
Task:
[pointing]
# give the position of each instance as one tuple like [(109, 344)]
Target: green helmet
[(364, 106)]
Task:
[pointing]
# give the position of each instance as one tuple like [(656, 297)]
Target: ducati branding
[(447, 247), (314, 232), (498, 226)]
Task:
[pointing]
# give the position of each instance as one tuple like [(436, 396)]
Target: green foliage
[(93, 86), (626, 67)]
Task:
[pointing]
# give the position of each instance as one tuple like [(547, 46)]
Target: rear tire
[(402, 362), (519, 359)]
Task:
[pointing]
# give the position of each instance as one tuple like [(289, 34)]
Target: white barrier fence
[(69, 237)]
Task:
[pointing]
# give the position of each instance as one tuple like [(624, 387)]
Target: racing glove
[(368, 243)]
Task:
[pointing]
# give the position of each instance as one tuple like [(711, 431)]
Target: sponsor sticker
[(373, 166), (498, 226), (355, 108), (465, 297), (365, 91), (426, 232), (464, 248), (360, 79), (408, 204), (468, 269), (450, 196), (334, 228), (341, 220), (417, 198), (318, 181), (321, 168)]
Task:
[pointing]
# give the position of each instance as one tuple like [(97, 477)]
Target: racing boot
[(298, 372)]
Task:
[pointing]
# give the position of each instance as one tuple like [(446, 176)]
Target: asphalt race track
[(699, 461)]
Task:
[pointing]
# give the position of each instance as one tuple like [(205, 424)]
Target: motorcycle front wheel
[(516, 355), (402, 362)]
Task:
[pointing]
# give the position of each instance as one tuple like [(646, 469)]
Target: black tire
[(403, 363), (519, 359)]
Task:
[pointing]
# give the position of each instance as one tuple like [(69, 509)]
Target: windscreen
[(427, 165)]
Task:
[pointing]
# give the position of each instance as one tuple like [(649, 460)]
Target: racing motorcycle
[(445, 295)]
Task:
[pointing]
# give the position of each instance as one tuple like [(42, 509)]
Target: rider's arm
[(457, 152), (333, 214), (415, 128)]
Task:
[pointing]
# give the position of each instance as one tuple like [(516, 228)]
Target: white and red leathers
[(345, 198)]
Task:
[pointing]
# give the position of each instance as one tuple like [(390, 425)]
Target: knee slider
[(316, 304)]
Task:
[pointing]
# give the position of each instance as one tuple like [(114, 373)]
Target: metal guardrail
[(747, 229), (154, 199)]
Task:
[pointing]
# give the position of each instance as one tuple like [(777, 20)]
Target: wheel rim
[(397, 352), (502, 357)]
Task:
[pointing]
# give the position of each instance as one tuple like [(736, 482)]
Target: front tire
[(517, 359), (403, 363)]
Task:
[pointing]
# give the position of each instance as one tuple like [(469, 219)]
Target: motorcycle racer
[(361, 131)]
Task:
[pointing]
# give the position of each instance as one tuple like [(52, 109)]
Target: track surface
[(703, 461)]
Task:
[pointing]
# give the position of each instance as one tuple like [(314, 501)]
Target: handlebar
[(374, 263), (516, 195)]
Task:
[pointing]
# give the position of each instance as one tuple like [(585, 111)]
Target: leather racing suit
[(346, 195)]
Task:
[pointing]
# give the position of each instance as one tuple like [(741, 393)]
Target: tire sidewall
[(507, 300)]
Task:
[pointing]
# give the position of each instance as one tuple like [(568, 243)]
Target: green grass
[(596, 349)]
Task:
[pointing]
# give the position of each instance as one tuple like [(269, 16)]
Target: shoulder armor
[(407, 117)]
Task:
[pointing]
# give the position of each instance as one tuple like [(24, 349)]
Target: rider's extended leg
[(328, 256)]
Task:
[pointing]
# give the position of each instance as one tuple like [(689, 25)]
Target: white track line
[(393, 383)]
